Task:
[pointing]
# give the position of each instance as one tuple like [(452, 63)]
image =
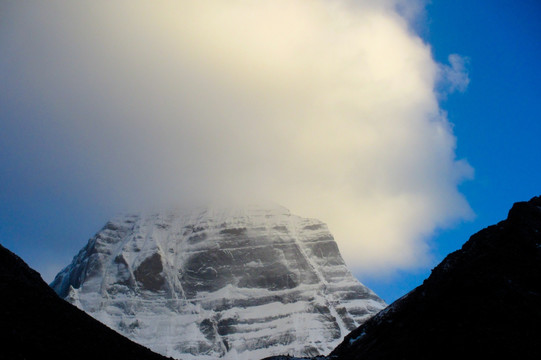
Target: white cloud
[(455, 76), (327, 107)]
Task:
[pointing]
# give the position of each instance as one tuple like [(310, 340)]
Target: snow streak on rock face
[(238, 284)]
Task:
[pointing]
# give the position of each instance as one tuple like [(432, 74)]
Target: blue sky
[(51, 202)]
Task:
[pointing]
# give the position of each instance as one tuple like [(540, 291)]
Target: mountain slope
[(36, 324), (483, 301), (225, 282)]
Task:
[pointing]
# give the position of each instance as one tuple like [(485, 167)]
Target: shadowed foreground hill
[(483, 301), (36, 324)]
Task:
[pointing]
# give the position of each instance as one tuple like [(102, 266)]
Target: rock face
[(481, 302), (36, 324), (232, 283)]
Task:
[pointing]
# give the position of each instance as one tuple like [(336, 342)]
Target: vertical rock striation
[(231, 283)]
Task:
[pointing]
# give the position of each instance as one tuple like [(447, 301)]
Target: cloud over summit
[(326, 107)]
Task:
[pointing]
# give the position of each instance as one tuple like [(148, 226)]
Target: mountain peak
[(232, 282)]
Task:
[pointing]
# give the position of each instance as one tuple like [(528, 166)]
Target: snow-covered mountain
[(232, 283)]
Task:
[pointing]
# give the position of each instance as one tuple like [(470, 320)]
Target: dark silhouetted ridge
[(36, 324), (483, 301)]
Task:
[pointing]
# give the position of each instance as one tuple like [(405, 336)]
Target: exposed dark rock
[(233, 232), (226, 326), (194, 239), (149, 273)]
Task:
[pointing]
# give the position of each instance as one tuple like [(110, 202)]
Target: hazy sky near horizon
[(332, 109)]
